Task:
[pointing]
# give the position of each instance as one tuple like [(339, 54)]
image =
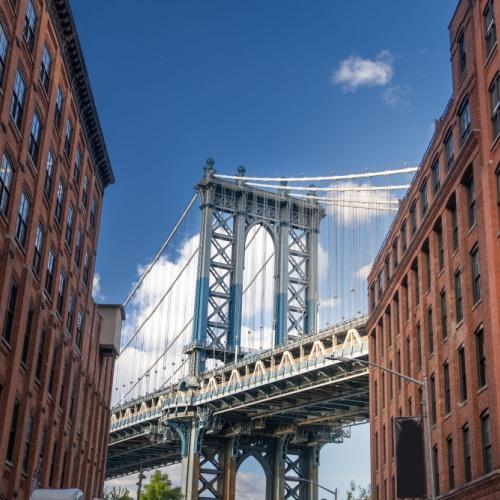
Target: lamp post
[(334, 493), (423, 384)]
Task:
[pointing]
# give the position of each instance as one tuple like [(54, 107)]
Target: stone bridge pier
[(210, 466)]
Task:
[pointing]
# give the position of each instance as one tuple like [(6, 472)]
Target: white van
[(71, 494)]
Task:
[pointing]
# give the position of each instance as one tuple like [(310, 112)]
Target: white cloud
[(397, 95), (329, 303), (355, 72), (364, 271), (96, 288), (359, 206), (250, 486)]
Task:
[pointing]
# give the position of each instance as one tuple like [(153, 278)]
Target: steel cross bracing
[(280, 406), (229, 211)]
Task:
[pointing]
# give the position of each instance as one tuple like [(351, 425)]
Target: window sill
[(5, 346), (459, 324), (490, 55), (461, 404), (444, 340), (15, 129), (455, 252), (471, 229), (482, 389), (477, 304), (495, 142), (441, 272), (447, 416)]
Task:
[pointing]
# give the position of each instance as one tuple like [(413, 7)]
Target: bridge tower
[(229, 210)]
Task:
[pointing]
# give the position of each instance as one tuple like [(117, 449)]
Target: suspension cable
[(329, 188)]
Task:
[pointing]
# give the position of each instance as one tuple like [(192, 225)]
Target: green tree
[(119, 493), (160, 488), (357, 492)]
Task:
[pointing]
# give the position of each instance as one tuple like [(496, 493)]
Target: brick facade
[(415, 323), (55, 383)]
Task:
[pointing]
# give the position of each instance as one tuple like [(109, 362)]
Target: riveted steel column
[(228, 486), (281, 300), (190, 465), (206, 191), (311, 468), (311, 316), (278, 477), (235, 308)]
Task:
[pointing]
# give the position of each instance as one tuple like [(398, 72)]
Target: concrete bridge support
[(209, 470)]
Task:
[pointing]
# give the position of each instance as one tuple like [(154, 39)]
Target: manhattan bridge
[(229, 343)]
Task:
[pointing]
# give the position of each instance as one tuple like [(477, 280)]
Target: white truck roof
[(71, 494)]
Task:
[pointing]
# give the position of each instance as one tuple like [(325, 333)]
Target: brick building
[(55, 365), (434, 289)]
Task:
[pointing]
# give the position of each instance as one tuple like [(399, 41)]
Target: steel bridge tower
[(229, 210)]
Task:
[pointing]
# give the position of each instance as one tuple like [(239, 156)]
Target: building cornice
[(64, 23)]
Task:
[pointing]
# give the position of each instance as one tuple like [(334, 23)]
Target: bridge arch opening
[(252, 482), (257, 323)]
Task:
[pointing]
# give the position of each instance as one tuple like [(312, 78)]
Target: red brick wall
[(81, 440), (479, 155)]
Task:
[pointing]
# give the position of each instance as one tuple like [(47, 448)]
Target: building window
[(13, 430), (53, 465), (49, 279), (458, 296), (451, 463), (435, 460), (52, 374), (4, 45), (80, 321), (436, 183), (58, 108), (424, 204), (60, 293), (454, 225), (39, 357), (467, 455), (387, 269), (430, 327), (497, 175), (10, 311), (428, 268), (379, 285), (72, 397), (45, 68), (27, 443), (407, 300), (27, 336), (416, 283), (70, 315), (476, 275), (447, 389), (463, 373), (22, 220), (449, 150), (490, 32), (444, 314), (462, 53), (418, 338), (18, 95), (6, 175), (78, 161), (486, 437), (85, 193), (30, 21), (440, 242), (78, 248), (37, 256), (408, 357), (403, 237), (395, 254), (398, 367), (413, 218), (49, 175), (59, 202), (35, 138), (433, 399), (481, 358), (86, 268), (68, 138), (464, 121), (495, 105), (70, 216), (93, 215), (471, 199), (391, 382)]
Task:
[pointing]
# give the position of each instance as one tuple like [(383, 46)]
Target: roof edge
[(62, 17)]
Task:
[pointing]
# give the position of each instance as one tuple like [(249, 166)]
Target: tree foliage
[(160, 488), (119, 493), (357, 492)]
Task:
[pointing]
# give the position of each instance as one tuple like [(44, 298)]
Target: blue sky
[(253, 83)]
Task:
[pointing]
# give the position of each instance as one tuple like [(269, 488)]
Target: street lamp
[(334, 493), (421, 383)]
